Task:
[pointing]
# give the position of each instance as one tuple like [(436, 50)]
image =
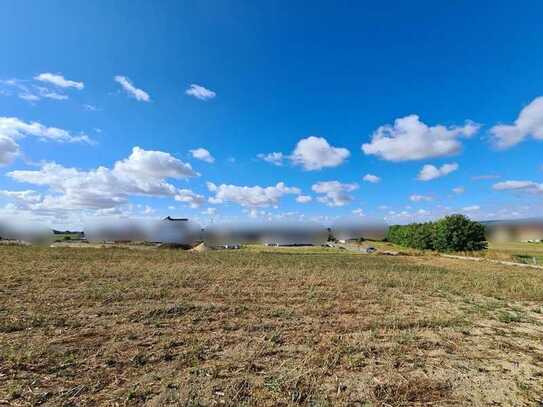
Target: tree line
[(451, 234)]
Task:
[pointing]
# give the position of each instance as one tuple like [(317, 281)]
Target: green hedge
[(450, 234)]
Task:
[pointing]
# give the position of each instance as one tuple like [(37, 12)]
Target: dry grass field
[(531, 253), (83, 326)]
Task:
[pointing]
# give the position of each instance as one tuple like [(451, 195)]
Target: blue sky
[(443, 96)]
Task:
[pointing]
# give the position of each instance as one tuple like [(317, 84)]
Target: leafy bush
[(416, 235), (452, 233), (458, 233)]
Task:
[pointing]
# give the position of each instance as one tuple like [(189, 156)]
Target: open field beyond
[(266, 327)]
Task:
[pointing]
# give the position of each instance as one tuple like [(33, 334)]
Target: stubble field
[(266, 327)]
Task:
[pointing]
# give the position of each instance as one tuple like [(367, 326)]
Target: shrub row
[(450, 234)]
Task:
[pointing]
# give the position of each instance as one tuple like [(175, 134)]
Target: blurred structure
[(355, 228), (21, 230), (168, 230), (184, 232), (276, 234), (522, 230)]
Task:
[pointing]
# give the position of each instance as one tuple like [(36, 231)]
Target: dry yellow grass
[(265, 327)]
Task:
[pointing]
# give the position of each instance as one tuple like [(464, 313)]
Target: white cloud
[(472, 208), (49, 94), (143, 173), (202, 154), (14, 128), (29, 97), (26, 196), (30, 92), (358, 211), (210, 212), (138, 94), (199, 92), (144, 164), (430, 172), (252, 197), (190, 198), (272, 158), (528, 123), (9, 150), (147, 210), (334, 193), (420, 198), (11, 129), (90, 108), (374, 179), (411, 139), (458, 190), (59, 81), (303, 199), (484, 177), (524, 186), (314, 153)]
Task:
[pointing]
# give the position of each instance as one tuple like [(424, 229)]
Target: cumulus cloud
[(143, 164), (472, 208), (411, 139), (420, 198), (251, 197), (514, 185), (273, 158), (303, 199), (199, 92), (202, 154), (59, 80), (314, 153), (334, 193), (12, 129), (528, 123), (430, 172), (143, 173), (138, 94), (374, 179)]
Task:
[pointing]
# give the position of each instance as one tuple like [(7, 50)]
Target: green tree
[(458, 233)]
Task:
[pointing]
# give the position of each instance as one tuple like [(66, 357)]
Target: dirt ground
[(266, 327)]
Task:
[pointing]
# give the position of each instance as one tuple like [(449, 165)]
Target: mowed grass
[(265, 327)]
